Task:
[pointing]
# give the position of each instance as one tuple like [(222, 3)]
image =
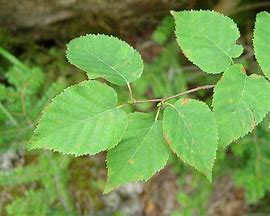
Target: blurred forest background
[(33, 69)]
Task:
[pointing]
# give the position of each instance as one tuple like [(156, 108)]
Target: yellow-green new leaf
[(240, 102), (81, 120), (261, 41), (190, 129), (142, 152), (107, 57), (208, 39)]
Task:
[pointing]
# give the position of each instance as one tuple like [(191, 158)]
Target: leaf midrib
[(110, 66), (211, 42), (80, 121), (195, 144), (138, 147)]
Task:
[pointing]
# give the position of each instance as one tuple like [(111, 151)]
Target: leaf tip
[(209, 176), (172, 12), (108, 188)]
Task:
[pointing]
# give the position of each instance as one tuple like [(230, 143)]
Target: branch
[(130, 92), (250, 7), (174, 96)]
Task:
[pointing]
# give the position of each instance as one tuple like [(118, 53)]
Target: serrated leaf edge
[(47, 108), (113, 187), (253, 42), (100, 76), (186, 162), (174, 12), (135, 181), (249, 131)]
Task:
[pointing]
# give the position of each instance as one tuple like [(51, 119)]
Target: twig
[(130, 92), (250, 6), (158, 111), (174, 96)]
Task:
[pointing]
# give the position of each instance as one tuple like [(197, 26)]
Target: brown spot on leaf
[(244, 70), (255, 76), (253, 123), (131, 161), (167, 138), (185, 101)]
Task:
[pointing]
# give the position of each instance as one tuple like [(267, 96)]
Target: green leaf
[(83, 119), (208, 39), (261, 41), (141, 153), (107, 57), (240, 102), (190, 129)]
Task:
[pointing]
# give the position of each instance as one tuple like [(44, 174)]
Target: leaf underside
[(142, 152), (208, 39), (83, 119), (240, 102), (190, 129), (105, 56), (261, 42)]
